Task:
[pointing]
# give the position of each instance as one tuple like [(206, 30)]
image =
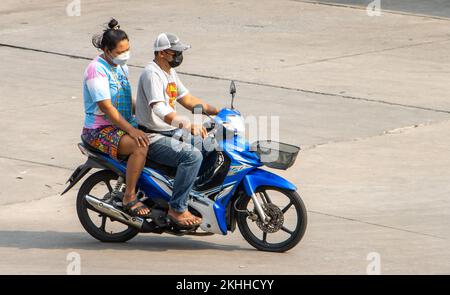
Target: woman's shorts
[(105, 139)]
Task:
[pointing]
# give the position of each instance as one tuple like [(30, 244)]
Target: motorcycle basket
[(275, 154)]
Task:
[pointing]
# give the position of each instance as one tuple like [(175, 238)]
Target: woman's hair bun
[(113, 24), (110, 36)]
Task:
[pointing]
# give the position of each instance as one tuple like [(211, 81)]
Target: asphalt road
[(438, 8)]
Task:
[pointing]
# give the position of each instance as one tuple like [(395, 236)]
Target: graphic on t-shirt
[(172, 92)]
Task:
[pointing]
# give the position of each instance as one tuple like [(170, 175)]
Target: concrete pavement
[(366, 97)]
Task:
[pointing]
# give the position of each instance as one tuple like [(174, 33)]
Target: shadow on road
[(77, 240), (439, 8)]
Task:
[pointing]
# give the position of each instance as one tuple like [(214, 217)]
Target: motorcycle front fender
[(258, 177)]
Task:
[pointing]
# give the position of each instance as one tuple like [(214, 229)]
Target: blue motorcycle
[(270, 214)]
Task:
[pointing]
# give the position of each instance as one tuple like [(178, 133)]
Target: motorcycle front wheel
[(288, 219)]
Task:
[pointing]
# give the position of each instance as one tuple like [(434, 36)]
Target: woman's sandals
[(135, 211)]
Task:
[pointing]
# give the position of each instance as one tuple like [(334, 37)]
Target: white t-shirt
[(155, 85)]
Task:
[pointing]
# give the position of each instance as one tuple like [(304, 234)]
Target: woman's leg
[(135, 164)]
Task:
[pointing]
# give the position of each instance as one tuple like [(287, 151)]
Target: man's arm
[(189, 101), (168, 115)]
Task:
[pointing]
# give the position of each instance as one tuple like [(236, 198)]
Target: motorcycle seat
[(164, 169)]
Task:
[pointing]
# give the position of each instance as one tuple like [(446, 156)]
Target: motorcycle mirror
[(232, 92), (197, 109), (232, 88)]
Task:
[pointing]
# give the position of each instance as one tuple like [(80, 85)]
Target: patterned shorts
[(105, 139)]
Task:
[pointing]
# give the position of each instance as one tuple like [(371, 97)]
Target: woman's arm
[(116, 118)]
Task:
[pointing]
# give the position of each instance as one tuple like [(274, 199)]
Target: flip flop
[(178, 222), (135, 212)]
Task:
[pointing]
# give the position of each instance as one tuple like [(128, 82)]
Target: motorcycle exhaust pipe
[(114, 213)]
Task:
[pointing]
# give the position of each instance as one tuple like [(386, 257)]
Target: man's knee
[(198, 156), (193, 156)]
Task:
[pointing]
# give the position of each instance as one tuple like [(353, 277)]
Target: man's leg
[(207, 149), (209, 154), (171, 152)]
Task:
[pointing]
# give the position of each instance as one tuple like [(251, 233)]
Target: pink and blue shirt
[(103, 81)]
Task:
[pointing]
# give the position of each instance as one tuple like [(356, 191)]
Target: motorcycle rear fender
[(82, 170)]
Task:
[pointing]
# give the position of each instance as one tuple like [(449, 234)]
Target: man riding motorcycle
[(158, 89)]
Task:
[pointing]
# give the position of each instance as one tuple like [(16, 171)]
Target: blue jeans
[(172, 152)]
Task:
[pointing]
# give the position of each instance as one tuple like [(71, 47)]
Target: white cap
[(169, 41)]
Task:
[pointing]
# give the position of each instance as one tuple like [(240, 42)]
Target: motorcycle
[(268, 211)]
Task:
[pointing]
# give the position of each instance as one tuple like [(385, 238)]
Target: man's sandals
[(185, 223), (135, 211)]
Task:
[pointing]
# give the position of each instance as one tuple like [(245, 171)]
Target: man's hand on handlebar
[(197, 130)]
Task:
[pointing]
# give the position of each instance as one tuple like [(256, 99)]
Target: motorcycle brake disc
[(276, 219)]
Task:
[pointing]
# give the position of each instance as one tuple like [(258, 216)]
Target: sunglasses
[(173, 52)]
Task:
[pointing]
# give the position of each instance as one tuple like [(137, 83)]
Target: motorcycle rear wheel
[(86, 213)]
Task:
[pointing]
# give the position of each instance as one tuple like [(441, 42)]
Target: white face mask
[(121, 59)]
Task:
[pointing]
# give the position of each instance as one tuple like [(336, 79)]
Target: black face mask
[(177, 59)]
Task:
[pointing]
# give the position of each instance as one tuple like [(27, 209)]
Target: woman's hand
[(139, 136)]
